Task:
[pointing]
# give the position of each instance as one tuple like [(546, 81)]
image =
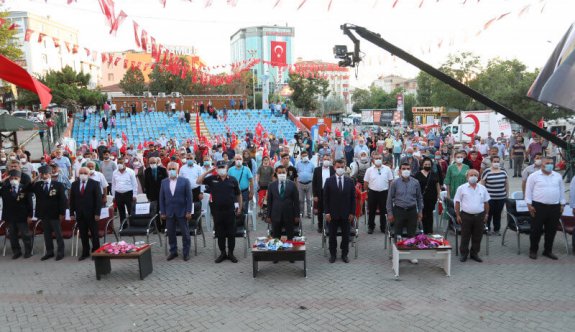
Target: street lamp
[(252, 54)]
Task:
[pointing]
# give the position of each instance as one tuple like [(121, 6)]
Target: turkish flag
[(13, 73), (279, 51), (28, 34)]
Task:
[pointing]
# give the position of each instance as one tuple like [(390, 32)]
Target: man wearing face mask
[(108, 167), (176, 208), (456, 175), (226, 205), (124, 189), (64, 164), (411, 160), (545, 198), (534, 167), (304, 170), (99, 177), (361, 147), (320, 175), (192, 171), (25, 166), (339, 207), (17, 212), (376, 181), (51, 204), (472, 212), (244, 176), (283, 204), (85, 207), (405, 203)]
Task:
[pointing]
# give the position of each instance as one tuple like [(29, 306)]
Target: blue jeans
[(173, 223), (245, 201)]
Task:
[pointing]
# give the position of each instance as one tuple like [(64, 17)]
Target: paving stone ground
[(508, 292)]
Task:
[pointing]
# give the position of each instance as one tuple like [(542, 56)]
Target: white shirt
[(472, 200), (118, 142), (100, 178), (324, 175), (543, 188), (378, 181), (124, 182), (173, 185), (94, 144), (192, 174)]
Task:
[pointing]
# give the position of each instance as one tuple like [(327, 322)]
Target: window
[(45, 59), (110, 77)]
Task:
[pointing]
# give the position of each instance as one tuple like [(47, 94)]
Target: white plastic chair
[(517, 195)]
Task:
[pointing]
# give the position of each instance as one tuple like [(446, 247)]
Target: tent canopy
[(13, 73), (13, 123)]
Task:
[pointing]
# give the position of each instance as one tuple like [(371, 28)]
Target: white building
[(40, 57), (391, 82)]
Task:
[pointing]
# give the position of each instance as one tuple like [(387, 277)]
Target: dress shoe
[(275, 262), (186, 258), (345, 259), (221, 258), (47, 256), (232, 258), (83, 257), (292, 261), (59, 257), (332, 259), (550, 255), (172, 256), (533, 255), (476, 258), (382, 229), (463, 259), (17, 255), (414, 261), (27, 255), (370, 231), (319, 230)]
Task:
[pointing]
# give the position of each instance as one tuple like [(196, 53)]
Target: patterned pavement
[(508, 292)]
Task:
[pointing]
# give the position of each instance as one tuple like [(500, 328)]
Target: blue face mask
[(409, 155), (190, 163), (207, 163), (549, 168), (173, 173)]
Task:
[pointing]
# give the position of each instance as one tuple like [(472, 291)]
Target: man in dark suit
[(14, 165), (51, 209), (176, 208), (85, 207), (17, 212), (283, 204), (320, 175), (339, 207), (154, 174)]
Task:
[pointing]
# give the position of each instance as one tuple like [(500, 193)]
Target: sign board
[(142, 208), (104, 213), (521, 206), (366, 116)]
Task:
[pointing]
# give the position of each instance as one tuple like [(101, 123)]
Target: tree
[(361, 99), (133, 82), (163, 80), (69, 89), (8, 43), (307, 90), (333, 104)]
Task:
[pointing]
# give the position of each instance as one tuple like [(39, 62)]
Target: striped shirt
[(495, 183)]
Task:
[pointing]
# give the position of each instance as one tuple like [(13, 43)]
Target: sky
[(429, 29)]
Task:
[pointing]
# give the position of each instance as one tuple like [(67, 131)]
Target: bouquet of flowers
[(121, 247), (421, 241)]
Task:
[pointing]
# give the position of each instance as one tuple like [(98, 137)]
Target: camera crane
[(350, 59)]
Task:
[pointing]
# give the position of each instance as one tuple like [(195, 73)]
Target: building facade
[(391, 82), (51, 46), (272, 45)]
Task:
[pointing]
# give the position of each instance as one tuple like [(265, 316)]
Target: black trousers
[(22, 228), (53, 226), (87, 224), (472, 227), (375, 200), (427, 215), (495, 209), (278, 225), (333, 226), (225, 227), (124, 201), (405, 219), (546, 220), (320, 212)]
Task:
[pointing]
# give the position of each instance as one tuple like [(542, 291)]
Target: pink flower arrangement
[(117, 248), (421, 241)]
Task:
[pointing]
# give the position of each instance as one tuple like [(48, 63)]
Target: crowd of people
[(402, 172)]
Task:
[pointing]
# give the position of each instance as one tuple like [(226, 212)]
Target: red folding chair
[(567, 226)]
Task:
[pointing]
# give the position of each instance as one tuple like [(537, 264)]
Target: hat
[(45, 170), (221, 163), (15, 172)]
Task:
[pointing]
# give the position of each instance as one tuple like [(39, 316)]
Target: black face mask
[(427, 168)]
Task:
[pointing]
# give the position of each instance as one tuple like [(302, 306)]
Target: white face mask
[(340, 171), (238, 163), (537, 162), (3, 159), (377, 162), (23, 160), (136, 164), (496, 165), (405, 173), (153, 166), (305, 159), (363, 159), (121, 167), (472, 179), (92, 172), (459, 160), (83, 177), (14, 183), (222, 171), (12, 157), (326, 163), (282, 177)]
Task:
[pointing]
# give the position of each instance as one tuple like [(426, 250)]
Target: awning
[(13, 73)]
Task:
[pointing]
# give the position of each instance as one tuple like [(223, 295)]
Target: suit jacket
[(339, 204), (180, 202), (286, 208), (152, 187), (317, 181), (19, 208), (89, 204), (52, 204)]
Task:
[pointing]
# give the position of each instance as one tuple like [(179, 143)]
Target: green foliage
[(377, 98), (307, 90), (133, 82), (69, 89), (162, 80), (8, 43), (333, 104)]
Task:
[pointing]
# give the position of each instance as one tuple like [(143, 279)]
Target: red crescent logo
[(476, 121)]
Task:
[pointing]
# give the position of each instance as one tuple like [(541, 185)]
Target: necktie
[(82, 189), (46, 187), (14, 191), (282, 190), (155, 172), (340, 184)]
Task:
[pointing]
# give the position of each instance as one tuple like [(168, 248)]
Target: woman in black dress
[(429, 183)]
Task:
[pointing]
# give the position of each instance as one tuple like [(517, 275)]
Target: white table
[(440, 253)]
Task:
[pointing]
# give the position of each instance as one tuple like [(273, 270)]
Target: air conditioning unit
[(147, 94), (176, 94), (161, 94)]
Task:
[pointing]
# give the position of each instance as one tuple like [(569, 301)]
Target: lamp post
[(252, 54)]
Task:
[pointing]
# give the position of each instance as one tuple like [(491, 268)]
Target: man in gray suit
[(283, 204)]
